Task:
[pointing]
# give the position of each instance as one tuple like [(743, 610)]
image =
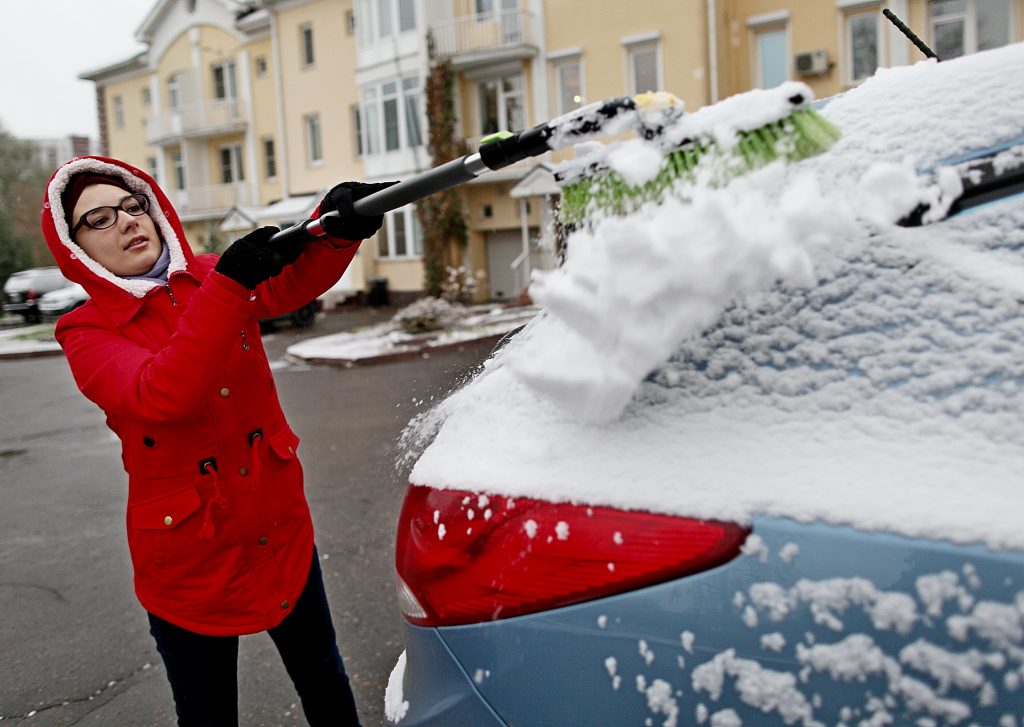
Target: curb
[(421, 352), (33, 353)]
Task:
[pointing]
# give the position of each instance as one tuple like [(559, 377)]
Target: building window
[(484, 8), (406, 16), (862, 44), (771, 57), (178, 165), (501, 104), (411, 94), (314, 146), (350, 22), (401, 235), (269, 159), (118, 112), (357, 127), (231, 169), (224, 87), (261, 66), (384, 18), (968, 26), (390, 119), (306, 42), (374, 20), (644, 67), (174, 92), (151, 167), (146, 98), (569, 82)]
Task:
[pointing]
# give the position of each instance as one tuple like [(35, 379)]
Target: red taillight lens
[(464, 558), (31, 295)]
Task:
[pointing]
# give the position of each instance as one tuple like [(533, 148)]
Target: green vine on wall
[(441, 215)]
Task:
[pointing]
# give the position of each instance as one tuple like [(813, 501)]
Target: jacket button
[(168, 521), (285, 604), (225, 392), (291, 450), (243, 471), (263, 540)]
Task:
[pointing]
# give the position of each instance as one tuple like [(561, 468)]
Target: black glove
[(351, 225), (253, 258)]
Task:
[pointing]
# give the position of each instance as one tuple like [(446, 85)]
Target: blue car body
[(811, 623), (763, 629)]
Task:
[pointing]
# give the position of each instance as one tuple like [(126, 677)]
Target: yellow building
[(248, 117)]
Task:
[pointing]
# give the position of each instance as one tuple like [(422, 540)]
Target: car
[(302, 317), (807, 509), (58, 302), (23, 290)]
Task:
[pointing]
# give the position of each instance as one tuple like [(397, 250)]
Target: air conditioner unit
[(812, 63)]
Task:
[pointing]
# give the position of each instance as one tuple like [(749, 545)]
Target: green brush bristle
[(802, 134)]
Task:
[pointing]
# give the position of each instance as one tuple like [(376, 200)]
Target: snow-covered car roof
[(879, 385)]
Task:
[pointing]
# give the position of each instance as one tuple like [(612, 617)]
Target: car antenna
[(892, 18)]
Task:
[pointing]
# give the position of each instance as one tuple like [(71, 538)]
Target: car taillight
[(464, 558), (31, 295)]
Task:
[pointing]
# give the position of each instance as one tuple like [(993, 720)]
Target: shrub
[(428, 314)]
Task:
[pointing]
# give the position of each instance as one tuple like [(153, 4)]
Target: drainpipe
[(282, 152), (713, 51)]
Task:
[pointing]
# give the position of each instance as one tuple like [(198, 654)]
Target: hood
[(73, 261)]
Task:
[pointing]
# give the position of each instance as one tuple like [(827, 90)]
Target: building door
[(503, 247)]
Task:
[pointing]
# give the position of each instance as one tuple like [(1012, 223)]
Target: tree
[(22, 184), (441, 215)]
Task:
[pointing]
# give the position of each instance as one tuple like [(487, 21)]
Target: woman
[(168, 346)]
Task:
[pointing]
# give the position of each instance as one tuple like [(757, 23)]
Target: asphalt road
[(74, 645)]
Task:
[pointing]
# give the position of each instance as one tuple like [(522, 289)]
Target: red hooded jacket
[(219, 531)]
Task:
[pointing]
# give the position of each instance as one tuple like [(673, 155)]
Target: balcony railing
[(195, 202), (203, 118), (484, 38)]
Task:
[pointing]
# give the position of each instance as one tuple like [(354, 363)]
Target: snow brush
[(770, 125), (708, 148)]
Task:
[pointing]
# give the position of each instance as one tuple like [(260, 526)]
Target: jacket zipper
[(170, 292)]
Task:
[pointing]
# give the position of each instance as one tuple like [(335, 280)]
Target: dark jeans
[(203, 670)]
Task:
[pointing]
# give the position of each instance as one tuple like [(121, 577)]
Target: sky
[(45, 45)]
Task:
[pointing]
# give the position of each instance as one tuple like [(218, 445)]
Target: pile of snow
[(881, 385)]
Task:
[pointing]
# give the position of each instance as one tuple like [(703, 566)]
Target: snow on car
[(759, 459)]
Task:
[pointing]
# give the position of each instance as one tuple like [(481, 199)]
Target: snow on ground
[(880, 385), (386, 339)]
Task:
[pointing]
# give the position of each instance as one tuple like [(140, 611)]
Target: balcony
[(196, 120), (196, 203), (472, 41)]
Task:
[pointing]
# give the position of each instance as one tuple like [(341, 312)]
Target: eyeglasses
[(103, 217)]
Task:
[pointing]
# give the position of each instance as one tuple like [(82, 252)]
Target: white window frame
[(307, 48), (228, 81), (174, 92), (970, 20), (314, 140), (118, 104), (759, 26), (407, 94), (235, 168), (632, 47), (503, 122), (387, 239), (369, 18), (851, 10), (559, 63), (147, 98), (178, 169)]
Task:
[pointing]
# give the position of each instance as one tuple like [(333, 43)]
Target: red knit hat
[(77, 184)]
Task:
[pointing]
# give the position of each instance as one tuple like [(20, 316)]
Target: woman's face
[(130, 246)]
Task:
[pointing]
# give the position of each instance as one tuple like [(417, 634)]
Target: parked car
[(23, 290), (58, 302), (302, 317), (809, 515)]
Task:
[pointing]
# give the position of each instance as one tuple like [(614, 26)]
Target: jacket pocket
[(166, 512), (284, 444)]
